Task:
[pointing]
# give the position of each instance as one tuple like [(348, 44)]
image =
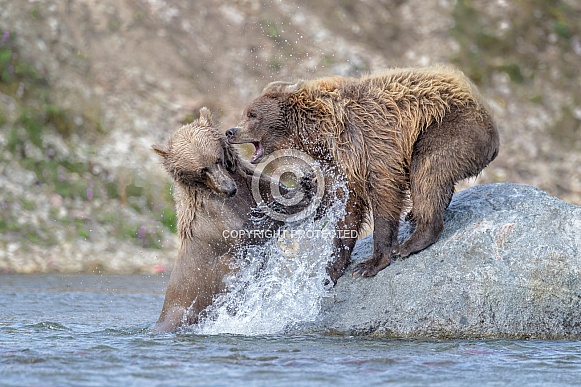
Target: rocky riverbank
[(507, 265), (86, 87)]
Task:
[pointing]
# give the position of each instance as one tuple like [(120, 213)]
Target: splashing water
[(279, 285)]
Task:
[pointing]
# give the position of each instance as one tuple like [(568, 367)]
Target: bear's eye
[(251, 114)]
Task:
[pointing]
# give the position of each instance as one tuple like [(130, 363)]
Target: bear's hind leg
[(432, 177), (429, 222), (457, 148)]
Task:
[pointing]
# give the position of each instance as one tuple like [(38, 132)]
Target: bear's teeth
[(258, 152)]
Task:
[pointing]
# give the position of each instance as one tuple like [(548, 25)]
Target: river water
[(91, 330)]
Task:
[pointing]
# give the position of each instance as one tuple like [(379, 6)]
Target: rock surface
[(507, 265)]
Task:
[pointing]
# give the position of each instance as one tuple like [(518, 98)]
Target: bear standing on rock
[(400, 136)]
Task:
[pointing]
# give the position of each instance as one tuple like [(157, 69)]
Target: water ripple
[(98, 342)]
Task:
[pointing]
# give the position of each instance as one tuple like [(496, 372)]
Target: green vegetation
[(169, 219), (3, 118), (275, 63), (35, 12), (516, 48), (566, 128), (190, 117), (536, 37), (167, 214), (284, 47), (11, 225), (30, 143), (270, 29), (194, 114)]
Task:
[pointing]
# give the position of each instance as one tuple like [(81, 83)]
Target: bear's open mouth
[(258, 152)]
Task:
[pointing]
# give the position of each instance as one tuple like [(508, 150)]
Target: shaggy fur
[(212, 192), (398, 136)]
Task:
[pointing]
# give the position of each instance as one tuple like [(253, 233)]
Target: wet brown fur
[(205, 169), (400, 136)]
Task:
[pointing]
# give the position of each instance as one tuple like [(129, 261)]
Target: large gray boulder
[(507, 265)]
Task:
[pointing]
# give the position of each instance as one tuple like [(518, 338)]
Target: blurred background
[(87, 86)]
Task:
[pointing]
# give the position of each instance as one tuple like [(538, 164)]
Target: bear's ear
[(206, 116), (282, 87), (161, 150)]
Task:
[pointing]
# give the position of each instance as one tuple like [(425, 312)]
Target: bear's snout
[(231, 191), (231, 132), (225, 186)]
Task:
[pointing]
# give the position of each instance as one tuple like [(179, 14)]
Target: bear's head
[(264, 122), (197, 155)]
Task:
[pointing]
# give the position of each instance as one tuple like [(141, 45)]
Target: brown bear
[(401, 138), (213, 197)]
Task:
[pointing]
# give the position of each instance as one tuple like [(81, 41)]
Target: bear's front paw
[(334, 274), (372, 266), (403, 251)]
